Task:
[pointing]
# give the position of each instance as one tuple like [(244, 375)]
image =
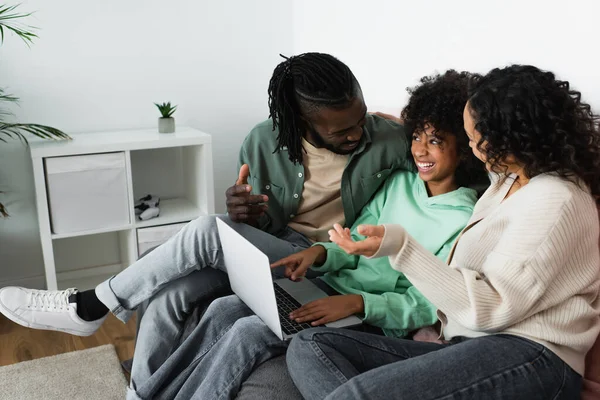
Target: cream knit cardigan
[(527, 266)]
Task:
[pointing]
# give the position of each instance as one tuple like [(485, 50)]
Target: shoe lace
[(51, 299)]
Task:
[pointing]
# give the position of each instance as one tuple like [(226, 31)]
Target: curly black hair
[(524, 112), (439, 101)]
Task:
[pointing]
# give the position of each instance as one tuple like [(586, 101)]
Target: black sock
[(89, 307)]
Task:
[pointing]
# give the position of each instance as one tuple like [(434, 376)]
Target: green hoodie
[(391, 301)]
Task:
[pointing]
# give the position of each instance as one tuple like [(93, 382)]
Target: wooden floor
[(21, 344)]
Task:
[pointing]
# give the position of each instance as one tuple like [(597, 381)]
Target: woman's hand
[(297, 264), (368, 247), (329, 309)]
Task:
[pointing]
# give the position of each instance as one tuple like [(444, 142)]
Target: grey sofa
[(270, 380)]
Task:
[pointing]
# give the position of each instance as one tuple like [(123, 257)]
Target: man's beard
[(320, 143)]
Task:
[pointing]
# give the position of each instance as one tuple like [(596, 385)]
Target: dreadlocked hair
[(302, 85)]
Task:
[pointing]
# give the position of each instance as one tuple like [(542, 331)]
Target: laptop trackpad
[(305, 291)]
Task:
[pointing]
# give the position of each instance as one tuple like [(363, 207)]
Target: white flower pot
[(166, 125)]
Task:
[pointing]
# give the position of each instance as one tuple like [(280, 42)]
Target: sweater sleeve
[(531, 252), (404, 310)]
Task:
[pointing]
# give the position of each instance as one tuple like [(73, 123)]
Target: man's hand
[(329, 309), (368, 247), (241, 205), (297, 264)]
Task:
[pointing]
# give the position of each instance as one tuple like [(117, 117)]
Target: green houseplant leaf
[(10, 21), (166, 111)]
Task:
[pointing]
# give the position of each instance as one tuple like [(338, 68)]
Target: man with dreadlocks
[(329, 155), (315, 163)]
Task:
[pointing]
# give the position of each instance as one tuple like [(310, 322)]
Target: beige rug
[(87, 374)]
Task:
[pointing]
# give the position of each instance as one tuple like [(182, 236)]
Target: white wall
[(390, 44), (101, 65)]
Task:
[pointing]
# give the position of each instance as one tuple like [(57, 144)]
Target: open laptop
[(250, 278)]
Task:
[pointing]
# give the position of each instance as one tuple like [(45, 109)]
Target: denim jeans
[(169, 282), (214, 360), (195, 247), (342, 364)]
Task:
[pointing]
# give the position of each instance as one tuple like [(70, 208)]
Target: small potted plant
[(166, 123)]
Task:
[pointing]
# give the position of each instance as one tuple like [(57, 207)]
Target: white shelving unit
[(177, 167)]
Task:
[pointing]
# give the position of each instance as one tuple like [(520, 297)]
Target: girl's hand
[(368, 247), (297, 264), (329, 309)]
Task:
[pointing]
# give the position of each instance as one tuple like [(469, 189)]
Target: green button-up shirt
[(384, 147)]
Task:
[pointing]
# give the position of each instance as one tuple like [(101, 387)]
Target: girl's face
[(436, 157), (474, 135)]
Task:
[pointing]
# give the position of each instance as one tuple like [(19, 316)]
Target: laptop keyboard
[(285, 305)]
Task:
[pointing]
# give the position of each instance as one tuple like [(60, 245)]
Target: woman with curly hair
[(518, 302)]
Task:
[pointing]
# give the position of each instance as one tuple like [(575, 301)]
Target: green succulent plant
[(166, 110)]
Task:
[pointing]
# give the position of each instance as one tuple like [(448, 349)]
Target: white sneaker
[(45, 309)]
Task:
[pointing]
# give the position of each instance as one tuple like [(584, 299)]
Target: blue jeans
[(168, 283), (343, 364), (196, 247), (216, 358)]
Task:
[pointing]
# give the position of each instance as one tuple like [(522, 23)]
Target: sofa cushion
[(270, 380)]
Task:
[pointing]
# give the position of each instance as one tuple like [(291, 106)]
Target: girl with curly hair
[(433, 203), (518, 303)]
